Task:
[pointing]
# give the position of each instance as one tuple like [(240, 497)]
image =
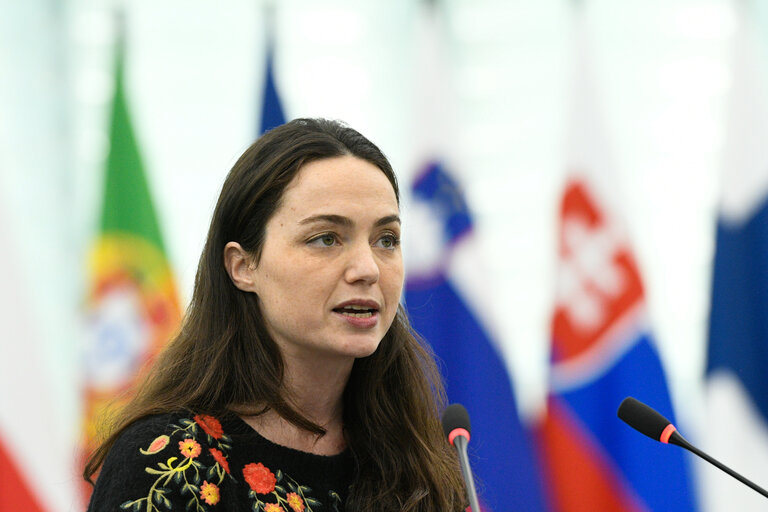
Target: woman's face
[(331, 272)]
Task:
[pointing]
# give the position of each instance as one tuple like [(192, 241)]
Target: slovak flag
[(602, 348), (737, 359), (442, 277)]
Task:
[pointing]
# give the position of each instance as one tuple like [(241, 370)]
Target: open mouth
[(356, 311)]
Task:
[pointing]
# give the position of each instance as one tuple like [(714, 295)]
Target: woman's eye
[(326, 240), (388, 242)]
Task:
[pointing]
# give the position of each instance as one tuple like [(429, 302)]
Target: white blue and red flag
[(449, 296), (438, 289), (602, 347)]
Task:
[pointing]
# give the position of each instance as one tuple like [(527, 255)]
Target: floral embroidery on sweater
[(186, 474), (263, 482), (196, 479)]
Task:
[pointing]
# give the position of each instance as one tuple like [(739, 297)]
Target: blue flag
[(271, 107), (737, 357), (507, 477)]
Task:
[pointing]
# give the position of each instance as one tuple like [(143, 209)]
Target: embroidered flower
[(295, 501), (155, 446), (190, 448), (220, 459), (210, 425), (209, 493), (259, 477), (273, 507)]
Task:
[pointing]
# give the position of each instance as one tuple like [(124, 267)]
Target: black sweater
[(184, 462)]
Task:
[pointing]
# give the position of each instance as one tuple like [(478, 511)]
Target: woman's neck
[(315, 390)]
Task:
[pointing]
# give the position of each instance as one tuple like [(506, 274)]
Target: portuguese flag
[(132, 304)]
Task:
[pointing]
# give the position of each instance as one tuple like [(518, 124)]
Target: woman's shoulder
[(164, 459)]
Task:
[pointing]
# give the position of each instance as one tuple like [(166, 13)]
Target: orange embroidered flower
[(209, 493), (259, 477), (295, 501), (157, 445), (210, 425), (190, 448), (273, 507), (220, 459)]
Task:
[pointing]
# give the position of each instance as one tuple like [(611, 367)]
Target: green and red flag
[(132, 305)]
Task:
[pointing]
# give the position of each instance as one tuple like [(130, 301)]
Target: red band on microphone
[(667, 433), (457, 432)]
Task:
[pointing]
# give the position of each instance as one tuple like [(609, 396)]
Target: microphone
[(648, 421), (457, 428)]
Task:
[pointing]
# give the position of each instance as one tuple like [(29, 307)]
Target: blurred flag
[(472, 364), (449, 305), (736, 429), (24, 460), (271, 108), (132, 303), (602, 349)]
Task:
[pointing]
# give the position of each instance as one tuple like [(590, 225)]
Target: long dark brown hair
[(224, 361)]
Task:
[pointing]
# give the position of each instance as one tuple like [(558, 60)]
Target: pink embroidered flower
[(220, 459), (156, 446), (190, 448), (210, 425), (273, 507), (209, 493), (259, 477), (295, 501)]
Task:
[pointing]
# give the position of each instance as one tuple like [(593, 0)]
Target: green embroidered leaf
[(211, 472), (191, 502), (167, 502), (153, 471), (157, 498), (177, 477), (127, 504), (312, 501), (293, 487), (280, 489), (186, 422), (279, 475), (189, 488), (305, 489), (162, 466)]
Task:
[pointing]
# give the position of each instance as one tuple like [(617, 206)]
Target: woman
[(295, 382)]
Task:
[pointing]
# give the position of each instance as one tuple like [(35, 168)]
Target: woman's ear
[(240, 266)]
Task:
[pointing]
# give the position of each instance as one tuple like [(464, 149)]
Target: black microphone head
[(455, 416), (642, 418)]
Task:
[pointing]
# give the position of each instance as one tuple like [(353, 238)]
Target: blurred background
[(496, 108)]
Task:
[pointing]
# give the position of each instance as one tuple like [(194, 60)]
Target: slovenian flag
[(447, 298), (602, 348), (737, 389), (438, 290)]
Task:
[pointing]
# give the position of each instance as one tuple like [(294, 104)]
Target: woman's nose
[(361, 264)]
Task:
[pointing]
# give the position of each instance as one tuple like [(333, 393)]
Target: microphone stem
[(460, 442), (688, 446)]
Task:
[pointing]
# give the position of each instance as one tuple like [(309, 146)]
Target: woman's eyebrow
[(333, 219), (346, 221), (388, 220)]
